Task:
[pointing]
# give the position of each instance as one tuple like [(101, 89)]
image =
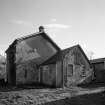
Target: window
[(69, 70)]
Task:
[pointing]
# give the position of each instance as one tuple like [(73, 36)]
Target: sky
[(67, 22)]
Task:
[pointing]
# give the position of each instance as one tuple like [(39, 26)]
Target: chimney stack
[(41, 29)]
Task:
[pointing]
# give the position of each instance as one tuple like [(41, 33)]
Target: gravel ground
[(42, 96)]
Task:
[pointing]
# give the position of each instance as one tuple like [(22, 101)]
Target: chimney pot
[(41, 29)]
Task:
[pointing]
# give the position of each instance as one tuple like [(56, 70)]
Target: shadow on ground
[(88, 99)]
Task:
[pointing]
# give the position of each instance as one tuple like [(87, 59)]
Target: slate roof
[(99, 60), (33, 35), (44, 53)]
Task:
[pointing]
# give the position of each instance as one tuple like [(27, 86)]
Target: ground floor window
[(70, 70)]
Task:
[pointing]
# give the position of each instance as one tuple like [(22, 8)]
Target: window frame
[(69, 70)]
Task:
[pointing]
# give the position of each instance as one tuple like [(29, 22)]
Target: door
[(45, 76), (48, 75), (12, 69)]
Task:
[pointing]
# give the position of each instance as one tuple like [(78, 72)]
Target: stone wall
[(30, 53), (48, 74), (27, 73), (76, 68), (26, 67)]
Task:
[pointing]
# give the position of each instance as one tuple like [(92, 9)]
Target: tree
[(90, 55)]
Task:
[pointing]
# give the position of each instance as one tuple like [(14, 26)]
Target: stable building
[(36, 58), (71, 66), (25, 55)]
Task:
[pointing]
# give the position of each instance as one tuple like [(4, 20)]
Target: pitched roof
[(99, 60), (33, 35), (62, 54), (76, 46), (58, 56)]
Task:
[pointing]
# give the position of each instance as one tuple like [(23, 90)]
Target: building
[(37, 59), (99, 69), (71, 66), (25, 55)]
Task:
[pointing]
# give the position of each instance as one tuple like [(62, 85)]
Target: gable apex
[(75, 46)]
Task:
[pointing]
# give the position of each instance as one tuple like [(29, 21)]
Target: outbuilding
[(99, 69), (71, 66), (37, 59)]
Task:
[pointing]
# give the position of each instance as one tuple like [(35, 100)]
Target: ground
[(66, 96), (88, 99)]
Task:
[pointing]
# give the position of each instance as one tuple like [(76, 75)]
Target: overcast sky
[(67, 22)]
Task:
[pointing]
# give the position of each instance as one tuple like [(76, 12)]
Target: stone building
[(71, 66), (37, 59), (25, 55)]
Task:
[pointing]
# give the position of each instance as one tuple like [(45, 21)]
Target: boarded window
[(69, 70)]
